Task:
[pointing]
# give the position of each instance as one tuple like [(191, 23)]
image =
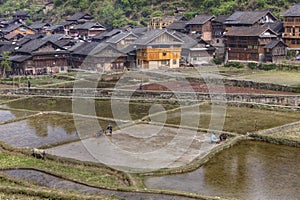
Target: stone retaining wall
[(287, 100)]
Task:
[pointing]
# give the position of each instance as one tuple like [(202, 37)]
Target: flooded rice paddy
[(50, 181), (6, 115), (100, 108), (44, 129), (249, 170)]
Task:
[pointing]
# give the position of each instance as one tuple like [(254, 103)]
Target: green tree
[(5, 63)]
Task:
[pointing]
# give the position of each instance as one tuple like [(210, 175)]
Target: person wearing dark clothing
[(109, 128), (28, 84)]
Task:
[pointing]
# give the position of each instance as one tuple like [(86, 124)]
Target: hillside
[(121, 12)]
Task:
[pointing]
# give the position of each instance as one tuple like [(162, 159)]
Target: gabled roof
[(250, 31), (247, 17), (177, 25), (107, 34), (29, 37), (88, 25), (141, 30), (188, 41), (39, 25), (79, 15), (200, 19), (54, 27), (55, 37), (117, 38), (94, 48), (294, 11), (221, 18), (274, 43), (34, 45), (11, 27), (275, 26), (19, 58), (7, 47), (153, 34)]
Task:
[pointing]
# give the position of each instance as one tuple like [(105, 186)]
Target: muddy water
[(101, 108), (249, 170), (6, 115), (50, 181)]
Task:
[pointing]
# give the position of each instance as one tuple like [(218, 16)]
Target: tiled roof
[(200, 19), (55, 37), (275, 26), (221, 18), (246, 17), (19, 58), (88, 25), (7, 47), (34, 45), (77, 16), (177, 25), (39, 25), (119, 37), (247, 31), (273, 44), (188, 41), (293, 11), (151, 35), (92, 48), (11, 27)]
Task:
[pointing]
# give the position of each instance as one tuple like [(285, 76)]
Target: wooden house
[(291, 35), (158, 49), (40, 27), (87, 29), (40, 57), (21, 15), (122, 40), (17, 31), (202, 26), (100, 57), (275, 51), (247, 43), (80, 17), (195, 52), (249, 18)]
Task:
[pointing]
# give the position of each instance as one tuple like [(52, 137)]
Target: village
[(167, 42), (205, 108)]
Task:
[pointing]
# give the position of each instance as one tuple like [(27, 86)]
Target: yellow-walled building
[(158, 49)]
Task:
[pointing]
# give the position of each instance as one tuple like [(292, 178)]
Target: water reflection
[(102, 108), (250, 170), (6, 115)]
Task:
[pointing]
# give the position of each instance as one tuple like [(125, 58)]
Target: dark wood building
[(291, 35), (201, 25), (40, 57), (275, 51), (87, 29), (247, 43), (249, 18), (100, 57)]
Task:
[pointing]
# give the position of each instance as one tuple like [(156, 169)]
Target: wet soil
[(50, 181)]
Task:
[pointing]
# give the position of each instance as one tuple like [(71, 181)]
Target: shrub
[(252, 65), (234, 64), (217, 61), (266, 67)]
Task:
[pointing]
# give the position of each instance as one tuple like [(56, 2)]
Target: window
[(174, 62), (163, 62), (164, 54)]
